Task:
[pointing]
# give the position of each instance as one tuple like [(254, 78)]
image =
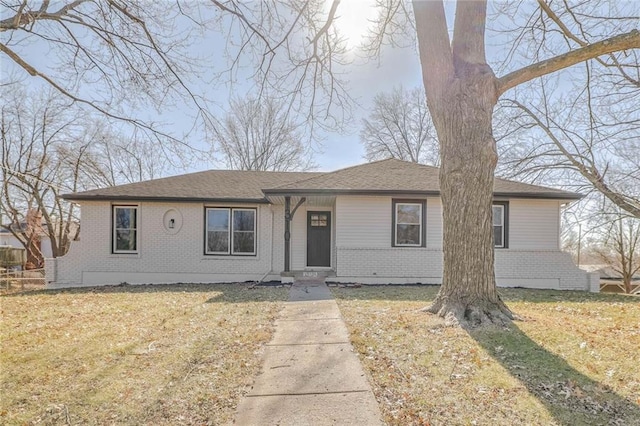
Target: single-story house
[(378, 222)]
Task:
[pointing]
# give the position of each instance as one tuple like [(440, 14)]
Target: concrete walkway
[(310, 373)]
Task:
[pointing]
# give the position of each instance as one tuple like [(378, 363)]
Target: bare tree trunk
[(469, 158), (461, 93), (627, 285)]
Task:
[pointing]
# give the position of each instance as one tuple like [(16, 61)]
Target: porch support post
[(287, 233)]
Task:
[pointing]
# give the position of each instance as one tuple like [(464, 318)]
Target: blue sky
[(366, 78)]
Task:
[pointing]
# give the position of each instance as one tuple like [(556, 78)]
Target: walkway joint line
[(308, 393)]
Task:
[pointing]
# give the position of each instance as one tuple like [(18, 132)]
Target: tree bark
[(468, 151), (461, 93)]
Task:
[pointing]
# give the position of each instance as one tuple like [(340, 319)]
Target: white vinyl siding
[(434, 223), (299, 239), (534, 224), (363, 221)]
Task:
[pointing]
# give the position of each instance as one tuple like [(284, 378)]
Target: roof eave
[(281, 192), (569, 196), (78, 197)]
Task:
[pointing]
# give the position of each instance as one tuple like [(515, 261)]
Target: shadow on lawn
[(224, 293), (569, 396), (428, 292)]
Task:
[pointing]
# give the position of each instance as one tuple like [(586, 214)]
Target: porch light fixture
[(172, 223)]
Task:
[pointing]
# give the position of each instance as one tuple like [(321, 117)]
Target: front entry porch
[(309, 236)]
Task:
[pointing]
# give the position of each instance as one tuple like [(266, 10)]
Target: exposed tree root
[(457, 313)]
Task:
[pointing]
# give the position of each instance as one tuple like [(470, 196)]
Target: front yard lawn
[(573, 360), (174, 354)]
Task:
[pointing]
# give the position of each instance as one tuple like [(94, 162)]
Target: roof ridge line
[(323, 174)]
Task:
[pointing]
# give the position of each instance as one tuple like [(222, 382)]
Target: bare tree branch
[(630, 40), (399, 126), (259, 135)]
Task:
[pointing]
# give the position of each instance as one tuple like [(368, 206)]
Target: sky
[(399, 66), (366, 77), (396, 66)]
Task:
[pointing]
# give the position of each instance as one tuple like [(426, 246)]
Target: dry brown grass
[(180, 354), (572, 361)]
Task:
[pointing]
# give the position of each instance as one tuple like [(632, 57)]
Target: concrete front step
[(309, 274)]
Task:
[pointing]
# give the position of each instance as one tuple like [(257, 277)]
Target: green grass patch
[(174, 354), (573, 360)]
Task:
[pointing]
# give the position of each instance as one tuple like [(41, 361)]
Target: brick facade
[(361, 247)]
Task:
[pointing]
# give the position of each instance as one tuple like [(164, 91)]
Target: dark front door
[(318, 238)]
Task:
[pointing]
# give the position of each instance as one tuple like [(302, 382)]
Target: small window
[(408, 226), (230, 231), (125, 229), (319, 220), (500, 222)]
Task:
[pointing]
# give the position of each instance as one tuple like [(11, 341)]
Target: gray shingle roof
[(211, 185), (396, 176), (381, 177)]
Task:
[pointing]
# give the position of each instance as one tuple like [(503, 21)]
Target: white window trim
[(396, 223), (114, 249), (206, 230), (230, 232), (502, 226)]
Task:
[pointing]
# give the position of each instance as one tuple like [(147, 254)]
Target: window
[(230, 231), (125, 229), (218, 231), (500, 224), (408, 223), (319, 220)]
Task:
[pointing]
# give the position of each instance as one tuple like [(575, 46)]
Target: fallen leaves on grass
[(179, 354), (570, 362)]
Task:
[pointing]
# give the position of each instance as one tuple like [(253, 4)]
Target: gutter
[(527, 195)]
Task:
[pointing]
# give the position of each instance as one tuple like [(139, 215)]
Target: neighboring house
[(379, 222), (8, 239), (611, 280)]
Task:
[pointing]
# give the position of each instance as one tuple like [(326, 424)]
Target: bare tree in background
[(618, 246), (51, 147), (117, 158), (258, 135), (399, 126), (462, 91), (294, 50), (590, 146), (112, 56), (41, 159), (115, 56)]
